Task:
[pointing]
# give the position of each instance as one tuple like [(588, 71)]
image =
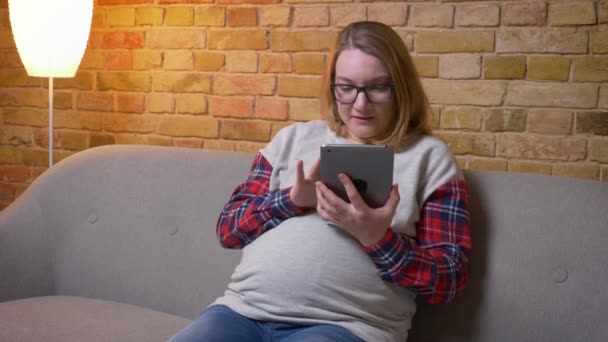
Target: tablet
[(370, 167)]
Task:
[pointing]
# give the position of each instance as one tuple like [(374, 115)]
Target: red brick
[(487, 164), (311, 16), (603, 12), (95, 101), (576, 170), (10, 155), (15, 173), (188, 142), (68, 140), (185, 38), (390, 14), (101, 139), (270, 108), (592, 123), (533, 146), (245, 130), (275, 63), (100, 17), (210, 16), (125, 81), (525, 14), (95, 40), (21, 187), (179, 16), (301, 41), (162, 2), (598, 149), (123, 40), (550, 121), (15, 135), (118, 60), (342, 15), (465, 143), (572, 13), (124, 2), (181, 82), (82, 81), (237, 107), (193, 126), (244, 85), (242, 16), (130, 103), (208, 61), (433, 15), (258, 2), (478, 15), (130, 123), (299, 86), (237, 40), (158, 140), (7, 192), (41, 138)]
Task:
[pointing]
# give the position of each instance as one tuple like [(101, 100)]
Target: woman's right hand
[(302, 193)]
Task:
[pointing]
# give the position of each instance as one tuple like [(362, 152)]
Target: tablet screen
[(370, 167)]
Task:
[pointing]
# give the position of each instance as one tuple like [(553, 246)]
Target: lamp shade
[(51, 35)]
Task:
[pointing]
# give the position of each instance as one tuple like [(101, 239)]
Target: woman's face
[(364, 119)]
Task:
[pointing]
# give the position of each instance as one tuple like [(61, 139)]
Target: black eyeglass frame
[(361, 89)]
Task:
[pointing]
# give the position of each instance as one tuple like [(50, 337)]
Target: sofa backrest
[(136, 224)]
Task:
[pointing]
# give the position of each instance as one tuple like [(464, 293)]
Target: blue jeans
[(221, 324)]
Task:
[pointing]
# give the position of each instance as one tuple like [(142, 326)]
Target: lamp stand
[(50, 121)]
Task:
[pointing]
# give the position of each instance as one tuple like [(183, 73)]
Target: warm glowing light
[(51, 35)]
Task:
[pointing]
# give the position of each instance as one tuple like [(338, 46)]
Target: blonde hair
[(383, 42)]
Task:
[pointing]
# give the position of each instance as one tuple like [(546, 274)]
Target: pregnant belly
[(305, 267)]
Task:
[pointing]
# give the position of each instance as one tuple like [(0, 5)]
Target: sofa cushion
[(61, 318)]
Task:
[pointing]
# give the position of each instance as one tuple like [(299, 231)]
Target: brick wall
[(518, 86)]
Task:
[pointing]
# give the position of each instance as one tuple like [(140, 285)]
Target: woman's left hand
[(368, 225)]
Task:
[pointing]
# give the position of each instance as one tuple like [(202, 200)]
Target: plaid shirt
[(433, 265)]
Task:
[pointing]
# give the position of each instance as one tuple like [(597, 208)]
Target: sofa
[(117, 243)]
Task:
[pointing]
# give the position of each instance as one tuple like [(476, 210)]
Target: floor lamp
[(51, 37)]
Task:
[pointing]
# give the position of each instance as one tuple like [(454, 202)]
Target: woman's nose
[(360, 101)]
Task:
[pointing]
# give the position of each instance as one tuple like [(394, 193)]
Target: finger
[(321, 200), (330, 209), (351, 191), (300, 172), (321, 204), (331, 199), (319, 192), (315, 170), (325, 215), (393, 200)]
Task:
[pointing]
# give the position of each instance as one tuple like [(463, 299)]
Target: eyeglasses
[(347, 93)]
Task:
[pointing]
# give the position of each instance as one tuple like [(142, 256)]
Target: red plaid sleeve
[(252, 209), (435, 266)]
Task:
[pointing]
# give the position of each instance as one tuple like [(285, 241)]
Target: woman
[(317, 268)]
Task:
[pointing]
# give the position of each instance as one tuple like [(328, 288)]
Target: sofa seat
[(63, 318)]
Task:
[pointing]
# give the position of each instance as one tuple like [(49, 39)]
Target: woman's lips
[(362, 118)]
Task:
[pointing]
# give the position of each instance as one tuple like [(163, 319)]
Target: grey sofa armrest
[(132, 224), (538, 267), (25, 258)]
